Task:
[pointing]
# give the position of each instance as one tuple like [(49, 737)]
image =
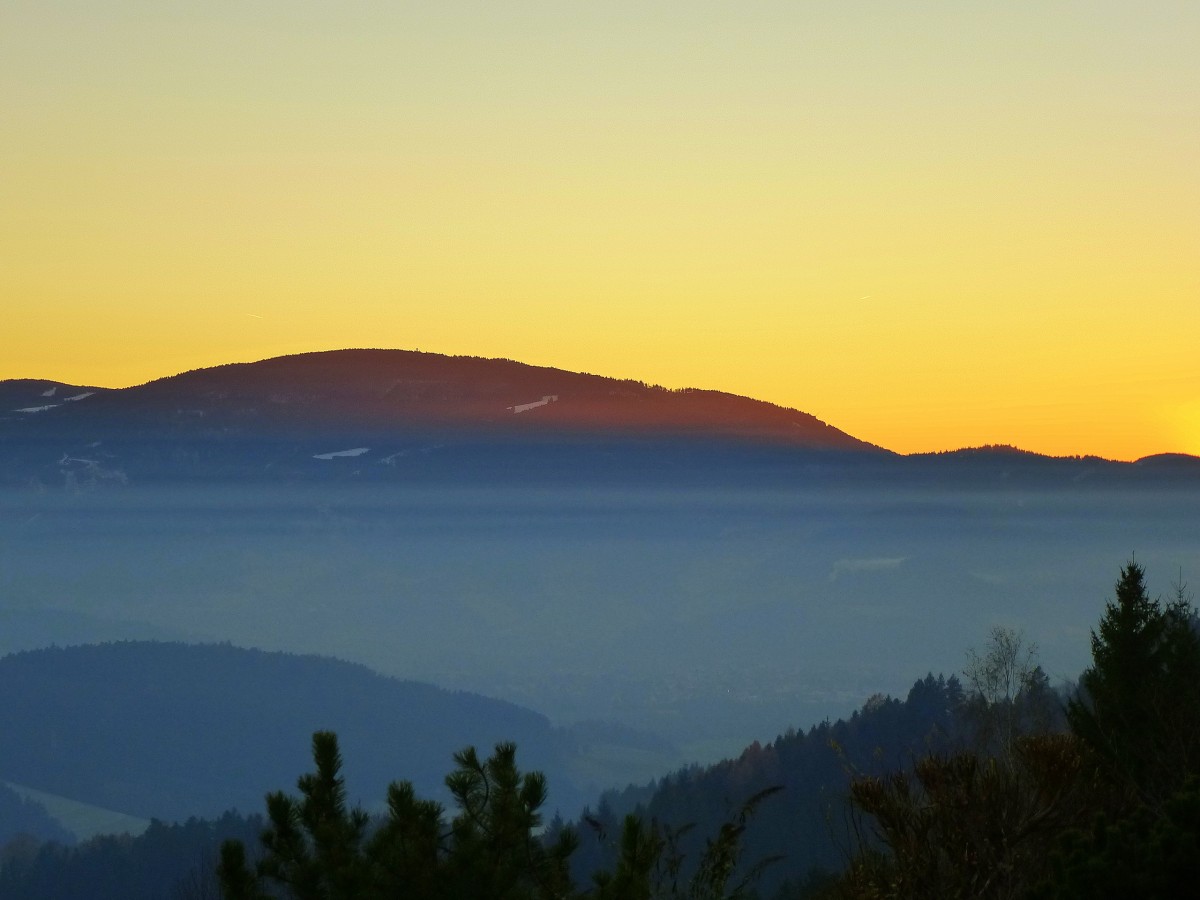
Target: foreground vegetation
[(1109, 809), (318, 848)]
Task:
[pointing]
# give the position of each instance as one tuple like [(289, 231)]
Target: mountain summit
[(402, 388), (375, 406)]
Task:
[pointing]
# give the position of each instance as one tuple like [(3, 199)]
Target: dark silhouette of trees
[(172, 861), (1149, 855), (651, 861), (1138, 709), (1137, 718), (1110, 809), (318, 848), (802, 827), (1010, 694), (968, 824)]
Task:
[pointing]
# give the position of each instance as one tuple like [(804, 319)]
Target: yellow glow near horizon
[(932, 226)]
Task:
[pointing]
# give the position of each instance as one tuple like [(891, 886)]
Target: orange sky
[(932, 225)]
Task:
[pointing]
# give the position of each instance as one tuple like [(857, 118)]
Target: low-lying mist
[(710, 617)]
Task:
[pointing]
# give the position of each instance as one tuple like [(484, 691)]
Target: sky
[(931, 224)]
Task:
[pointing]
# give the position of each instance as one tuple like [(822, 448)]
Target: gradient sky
[(932, 225)]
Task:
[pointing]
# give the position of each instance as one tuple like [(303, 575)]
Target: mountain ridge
[(404, 388), (407, 414), (387, 414)]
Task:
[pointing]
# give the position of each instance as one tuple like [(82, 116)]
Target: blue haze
[(709, 616)]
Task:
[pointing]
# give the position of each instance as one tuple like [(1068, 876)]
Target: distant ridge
[(411, 388), (1002, 451), (405, 415), (1180, 461), (173, 730), (391, 414)]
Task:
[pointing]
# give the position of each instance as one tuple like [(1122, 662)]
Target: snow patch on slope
[(357, 451), (525, 407)]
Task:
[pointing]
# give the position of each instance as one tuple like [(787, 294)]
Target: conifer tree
[(1138, 708), (313, 846), (317, 848)]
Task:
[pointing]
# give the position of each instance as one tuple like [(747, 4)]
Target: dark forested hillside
[(172, 730), (807, 822), (20, 816), (1105, 810), (168, 862)]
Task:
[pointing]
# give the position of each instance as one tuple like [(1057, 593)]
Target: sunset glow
[(932, 226)]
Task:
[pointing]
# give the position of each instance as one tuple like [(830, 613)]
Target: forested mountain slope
[(808, 823), (172, 730)]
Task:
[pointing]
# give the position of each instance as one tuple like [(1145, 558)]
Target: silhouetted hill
[(172, 730), (1182, 463), (380, 413), (406, 416), (1008, 466), (412, 389)]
